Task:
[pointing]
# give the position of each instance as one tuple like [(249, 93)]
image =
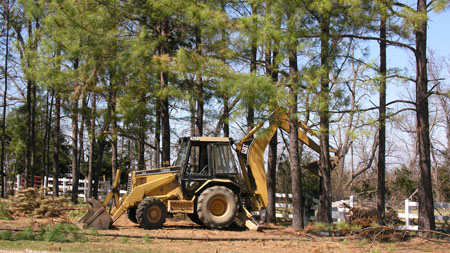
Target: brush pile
[(33, 202), (367, 216)]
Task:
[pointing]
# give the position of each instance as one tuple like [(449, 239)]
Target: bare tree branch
[(364, 166)]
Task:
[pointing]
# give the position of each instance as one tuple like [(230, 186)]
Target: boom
[(251, 153)]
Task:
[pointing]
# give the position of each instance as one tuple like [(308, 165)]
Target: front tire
[(151, 213), (217, 207)]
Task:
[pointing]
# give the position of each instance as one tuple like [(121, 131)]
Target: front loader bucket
[(97, 217)]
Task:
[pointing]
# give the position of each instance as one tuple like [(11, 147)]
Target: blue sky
[(438, 40), (439, 33)]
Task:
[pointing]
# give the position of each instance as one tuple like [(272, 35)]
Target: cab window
[(223, 159)]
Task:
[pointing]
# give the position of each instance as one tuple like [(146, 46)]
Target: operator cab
[(205, 158)]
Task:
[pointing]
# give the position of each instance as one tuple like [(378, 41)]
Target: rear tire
[(151, 213), (131, 213), (217, 207)]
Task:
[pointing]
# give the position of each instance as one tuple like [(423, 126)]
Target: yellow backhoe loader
[(204, 183)]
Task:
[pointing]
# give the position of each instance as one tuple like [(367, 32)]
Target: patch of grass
[(146, 238), (345, 242), (363, 242), (391, 249), (64, 232), (4, 213), (26, 235), (5, 235), (319, 226), (342, 227), (61, 232), (123, 240), (93, 231)]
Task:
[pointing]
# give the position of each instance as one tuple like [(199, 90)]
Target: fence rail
[(338, 212), (407, 215), (65, 186)]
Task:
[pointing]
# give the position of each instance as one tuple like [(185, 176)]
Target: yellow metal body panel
[(212, 181), (180, 206), (256, 163)]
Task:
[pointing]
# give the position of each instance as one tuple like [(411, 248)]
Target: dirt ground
[(181, 235)]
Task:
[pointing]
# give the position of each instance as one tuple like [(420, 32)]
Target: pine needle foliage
[(60, 232)]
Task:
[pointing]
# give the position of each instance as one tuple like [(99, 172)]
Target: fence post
[(45, 185), (85, 189), (352, 200), (18, 181), (407, 213), (64, 186)]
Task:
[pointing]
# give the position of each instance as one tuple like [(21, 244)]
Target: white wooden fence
[(338, 212), (65, 186), (407, 215)]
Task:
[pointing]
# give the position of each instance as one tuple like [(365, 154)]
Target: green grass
[(4, 214), (60, 232), (391, 249)]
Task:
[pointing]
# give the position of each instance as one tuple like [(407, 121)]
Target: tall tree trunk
[(141, 132), (33, 134), (141, 144), (29, 100), (99, 163), (56, 143), (226, 116), (425, 190), (253, 58), (75, 155), (81, 131), (200, 109), (164, 101), (381, 188), (114, 152), (48, 130), (28, 137), (192, 117), (75, 168), (271, 179), (158, 136), (33, 155), (165, 122), (91, 170), (294, 159), (2, 170), (44, 148), (324, 212), (200, 93), (112, 101)]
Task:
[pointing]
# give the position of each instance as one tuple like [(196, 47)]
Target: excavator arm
[(250, 151)]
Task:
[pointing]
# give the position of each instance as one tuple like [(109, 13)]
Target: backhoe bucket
[(97, 217)]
